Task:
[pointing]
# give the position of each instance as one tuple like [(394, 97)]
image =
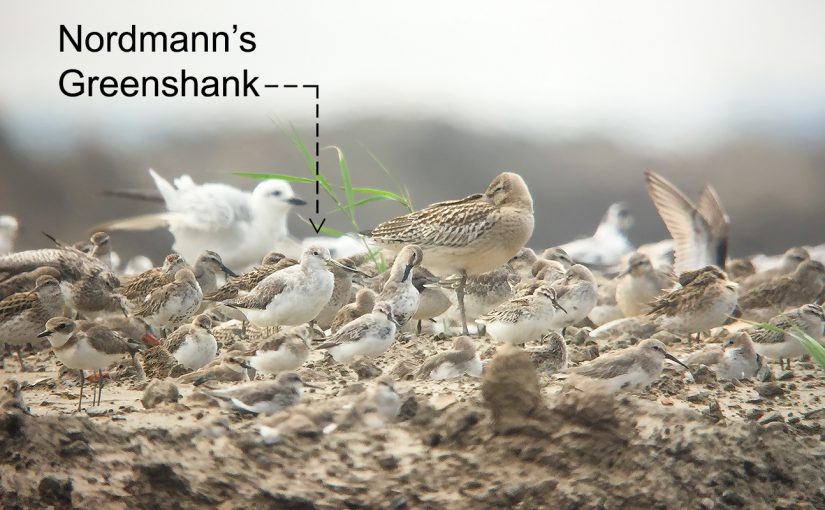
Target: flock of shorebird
[(457, 266)]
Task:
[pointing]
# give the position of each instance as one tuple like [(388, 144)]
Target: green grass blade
[(359, 203), (327, 230), (404, 191), (281, 177), (389, 195), (346, 180), (814, 348)]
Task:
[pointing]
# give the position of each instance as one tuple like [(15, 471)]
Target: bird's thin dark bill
[(228, 271), (310, 385), (674, 359), (296, 201), (407, 271), (245, 364), (348, 268), (44, 334)]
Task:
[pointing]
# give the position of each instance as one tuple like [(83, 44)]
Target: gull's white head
[(8, 224), (618, 216), (275, 195)]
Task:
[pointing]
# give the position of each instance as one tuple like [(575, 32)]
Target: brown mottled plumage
[(25, 282), (804, 285), (364, 303), (137, 288), (248, 280)]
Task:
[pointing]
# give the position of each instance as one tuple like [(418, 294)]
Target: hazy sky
[(659, 72)]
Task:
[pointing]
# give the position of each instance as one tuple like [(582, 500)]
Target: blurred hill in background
[(773, 188)]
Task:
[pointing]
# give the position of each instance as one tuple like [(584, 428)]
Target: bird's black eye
[(276, 193)]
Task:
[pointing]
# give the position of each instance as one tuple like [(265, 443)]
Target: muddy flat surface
[(681, 443)]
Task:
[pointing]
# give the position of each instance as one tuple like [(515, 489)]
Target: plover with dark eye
[(24, 315), (461, 359), (624, 370), (469, 236), (705, 301), (780, 341), (193, 345), (291, 296), (84, 345), (399, 290), (368, 336), (639, 284), (262, 397)]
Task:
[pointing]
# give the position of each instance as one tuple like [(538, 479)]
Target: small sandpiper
[(433, 300), (523, 319), (737, 359), (576, 294), (551, 354), (626, 369), (559, 255), (461, 359), (804, 285), (364, 303), (706, 300), (262, 397), (483, 292), (173, 303), (84, 345), (272, 262), (469, 236), (380, 404), (784, 344), (138, 288), (543, 271), (24, 315), (230, 367), (639, 285), (193, 345), (286, 351), (369, 335), (291, 296), (207, 268), (399, 290), (523, 262), (790, 261), (25, 282)]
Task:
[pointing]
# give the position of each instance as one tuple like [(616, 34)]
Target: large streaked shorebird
[(523, 319), (285, 351), (640, 284), (291, 296), (805, 285), (173, 303), (262, 397), (399, 290), (783, 344), (369, 335), (469, 236), (461, 359), (737, 359), (364, 303), (700, 232), (705, 300), (24, 315), (608, 244), (240, 225), (84, 345), (193, 345), (623, 370)]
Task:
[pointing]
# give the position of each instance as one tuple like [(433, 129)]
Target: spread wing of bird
[(451, 223), (700, 233)]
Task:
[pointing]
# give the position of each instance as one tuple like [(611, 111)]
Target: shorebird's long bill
[(295, 201), (407, 271), (674, 359), (44, 334), (348, 268), (245, 364), (310, 385), (228, 271)]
